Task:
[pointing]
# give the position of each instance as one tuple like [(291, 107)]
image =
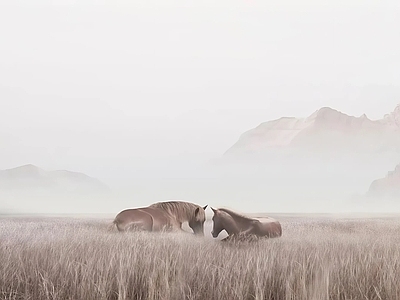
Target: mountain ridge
[(324, 126), (29, 177)]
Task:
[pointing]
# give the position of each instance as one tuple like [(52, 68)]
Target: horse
[(238, 225), (162, 216)]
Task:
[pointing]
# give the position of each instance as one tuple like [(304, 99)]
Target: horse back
[(161, 220)]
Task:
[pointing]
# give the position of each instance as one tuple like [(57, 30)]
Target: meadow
[(316, 258)]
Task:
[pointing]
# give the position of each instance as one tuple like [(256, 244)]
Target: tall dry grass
[(315, 259)]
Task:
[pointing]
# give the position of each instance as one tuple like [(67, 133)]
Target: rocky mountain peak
[(393, 118)]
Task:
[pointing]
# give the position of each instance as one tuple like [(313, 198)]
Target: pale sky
[(95, 86)]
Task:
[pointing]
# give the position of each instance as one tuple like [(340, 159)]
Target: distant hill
[(326, 130), (388, 186), (30, 189), (30, 177)]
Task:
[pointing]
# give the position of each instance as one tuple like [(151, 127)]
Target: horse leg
[(251, 230), (118, 225), (133, 219), (278, 231), (139, 226), (175, 226), (143, 224), (228, 238)]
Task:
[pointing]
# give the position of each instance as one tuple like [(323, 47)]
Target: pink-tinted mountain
[(388, 186), (325, 131)]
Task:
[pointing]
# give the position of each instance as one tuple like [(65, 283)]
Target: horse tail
[(279, 229), (112, 226)]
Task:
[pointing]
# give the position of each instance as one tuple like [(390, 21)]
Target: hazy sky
[(96, 85)]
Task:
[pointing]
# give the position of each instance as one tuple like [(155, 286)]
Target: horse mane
[(236, 215), (183, 211)]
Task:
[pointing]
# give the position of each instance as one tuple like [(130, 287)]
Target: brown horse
[(163, 216), (236, 224)]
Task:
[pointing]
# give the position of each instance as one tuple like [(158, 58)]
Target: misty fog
[(148, 96)]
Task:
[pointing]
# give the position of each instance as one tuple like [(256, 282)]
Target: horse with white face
[(236, 224)]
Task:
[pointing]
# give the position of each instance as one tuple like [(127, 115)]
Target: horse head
[(222, 220), (217, 223), (197, 222)]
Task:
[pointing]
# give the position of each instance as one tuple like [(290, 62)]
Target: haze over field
[(148, 96)]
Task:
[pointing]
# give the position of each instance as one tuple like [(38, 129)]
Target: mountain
[(30, 177), (393, 119), (30, 189), (318, 161), (326, 130), (388, 186)]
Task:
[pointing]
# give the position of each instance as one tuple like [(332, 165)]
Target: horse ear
[(214, 210), (196, 211), (205, 207)]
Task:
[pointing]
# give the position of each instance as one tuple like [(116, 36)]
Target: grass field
[(316, 258)]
